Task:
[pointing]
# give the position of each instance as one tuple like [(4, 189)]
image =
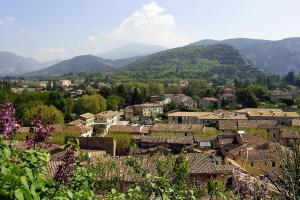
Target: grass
[(256, 131), (57, 138), (124, 140)]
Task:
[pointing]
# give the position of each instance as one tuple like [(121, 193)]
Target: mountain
[(131, 50), (123, 61), (49, 63), (13, 64), (278, 57), (84, 63), (218, 62)]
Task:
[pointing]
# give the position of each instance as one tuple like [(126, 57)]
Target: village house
[(184, 83), (256, 161), (87, 119), (181, 99), (279, 95), (283, 118), (210, 119), (178, 129), (135, 129), (43, 84), (143, 110), (283, 137), (210, 103), (228, 95), (252, 153), (63, 83), (106, 118)]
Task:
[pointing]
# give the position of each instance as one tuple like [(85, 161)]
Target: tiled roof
[(257, 123), (210, 99), (176, 127), (249, 138), (254, 112), (218, 115), (87, 115), (135, 129), (107, 114), (227, 125), (186, 140)]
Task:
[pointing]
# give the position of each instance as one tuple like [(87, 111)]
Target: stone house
[(87, 119), (282, 118), (210, 103)]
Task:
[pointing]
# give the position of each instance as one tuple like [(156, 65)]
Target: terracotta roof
[(87, 115), (107, 114), (254, 112), (210, 99), (135, 129), (228, 125), (257, 123), (257, 154), (249, 138), (218, 115), (176, 127), (166, 139)]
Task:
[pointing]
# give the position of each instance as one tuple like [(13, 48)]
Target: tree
[(287, 179), (290, 77), (247, 98), (115, 102), (48, 113), (57, 99), (93, 104), (260, 91)]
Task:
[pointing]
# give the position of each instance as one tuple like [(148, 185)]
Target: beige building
[(106, 118), (282, 118), (87, 119), (205, 118), (143, 110)]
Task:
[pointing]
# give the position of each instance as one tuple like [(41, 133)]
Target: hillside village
[(217, 133)]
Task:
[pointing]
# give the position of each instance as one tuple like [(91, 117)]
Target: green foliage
[(48, 113), (93, 104), (215, 62), (115, 102), (247, 98), (124, 140), (23, 176)]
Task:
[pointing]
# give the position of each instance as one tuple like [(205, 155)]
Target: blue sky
[(49, 29)]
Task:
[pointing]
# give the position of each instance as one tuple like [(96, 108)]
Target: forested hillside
[(212, 62)]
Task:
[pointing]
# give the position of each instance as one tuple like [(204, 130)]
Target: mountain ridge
[(276, 56)]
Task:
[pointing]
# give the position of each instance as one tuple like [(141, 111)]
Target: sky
[(60, 29)]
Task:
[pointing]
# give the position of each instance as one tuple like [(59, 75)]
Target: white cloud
[(6, 20), (92, 39), (50, 53), (151, 25)]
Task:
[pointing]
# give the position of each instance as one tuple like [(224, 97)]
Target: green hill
[(210, 62)]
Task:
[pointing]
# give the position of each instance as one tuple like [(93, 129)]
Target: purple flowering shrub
[(248, 187), (8, 123), (66, 168), (40, 132)]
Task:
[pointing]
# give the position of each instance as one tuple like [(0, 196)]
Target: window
[(273, 164), (252, 164)]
